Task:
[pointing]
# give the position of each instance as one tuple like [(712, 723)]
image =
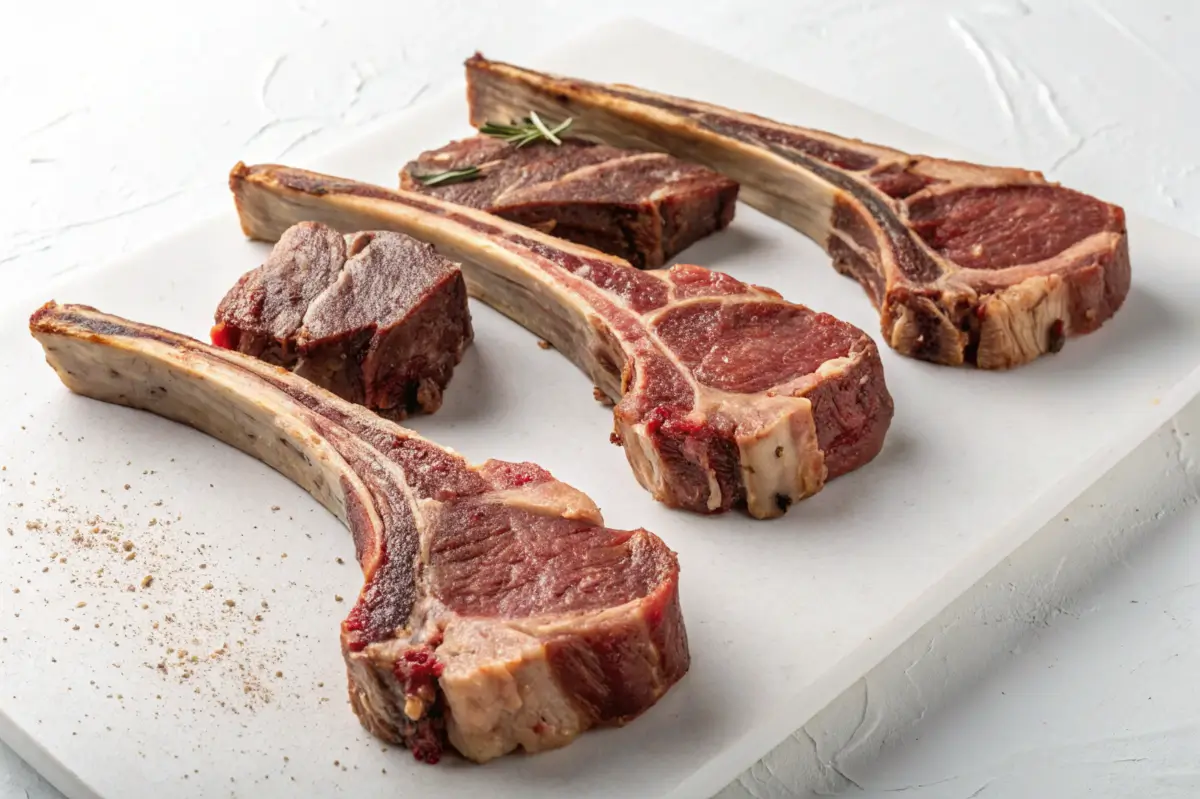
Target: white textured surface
[(1043, 680), (1099, 699), (129, 119)]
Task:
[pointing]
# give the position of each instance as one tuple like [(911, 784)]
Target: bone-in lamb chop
[(965, 263), (377, 318), (725, 393), (498, 612), (643, 207)]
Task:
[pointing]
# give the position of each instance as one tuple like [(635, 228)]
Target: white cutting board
[(781, 615)]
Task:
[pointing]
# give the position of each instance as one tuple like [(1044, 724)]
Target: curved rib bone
[(965, 263), (726, 394), (497, 610)]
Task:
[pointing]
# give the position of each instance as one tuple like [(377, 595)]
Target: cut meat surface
[(967, 264), (642, 207), (379, 319), (725, 394), (498, 612)]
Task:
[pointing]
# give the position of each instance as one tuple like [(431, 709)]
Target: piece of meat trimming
[(497, 611), (643, 207), (966, 263), (378, 318), (726, 394)]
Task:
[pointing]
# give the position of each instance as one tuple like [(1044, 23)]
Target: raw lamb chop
[(725, 394), (377, 318), (643, 207), (966, 263), (498, 612)]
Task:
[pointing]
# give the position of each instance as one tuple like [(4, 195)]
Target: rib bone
[(497, 610), (965, 263), (725, 393)]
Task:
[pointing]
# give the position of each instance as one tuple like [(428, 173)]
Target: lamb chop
[(643, 207), (965, 263), (725, 394), (497, 612), (377, 318)]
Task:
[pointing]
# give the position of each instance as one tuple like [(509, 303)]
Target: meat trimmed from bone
[(497, 611), (967, 264), (726, 395), (643, 207), (378, 318)]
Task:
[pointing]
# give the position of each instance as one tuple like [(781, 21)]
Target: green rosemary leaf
[(531, 130), (450, 176), (498, 130), (542, 129)]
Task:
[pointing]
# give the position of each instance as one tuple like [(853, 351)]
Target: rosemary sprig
[(545, 131), (531, 130), (450, 176)]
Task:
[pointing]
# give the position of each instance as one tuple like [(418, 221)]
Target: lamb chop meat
[(726, 395), (377, 318), (498, 612), (966, 263), (643, 207)]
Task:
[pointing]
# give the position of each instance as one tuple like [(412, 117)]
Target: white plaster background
[(120, 121)]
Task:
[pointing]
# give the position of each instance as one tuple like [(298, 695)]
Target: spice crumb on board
[(546, 345), (192, 618)]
